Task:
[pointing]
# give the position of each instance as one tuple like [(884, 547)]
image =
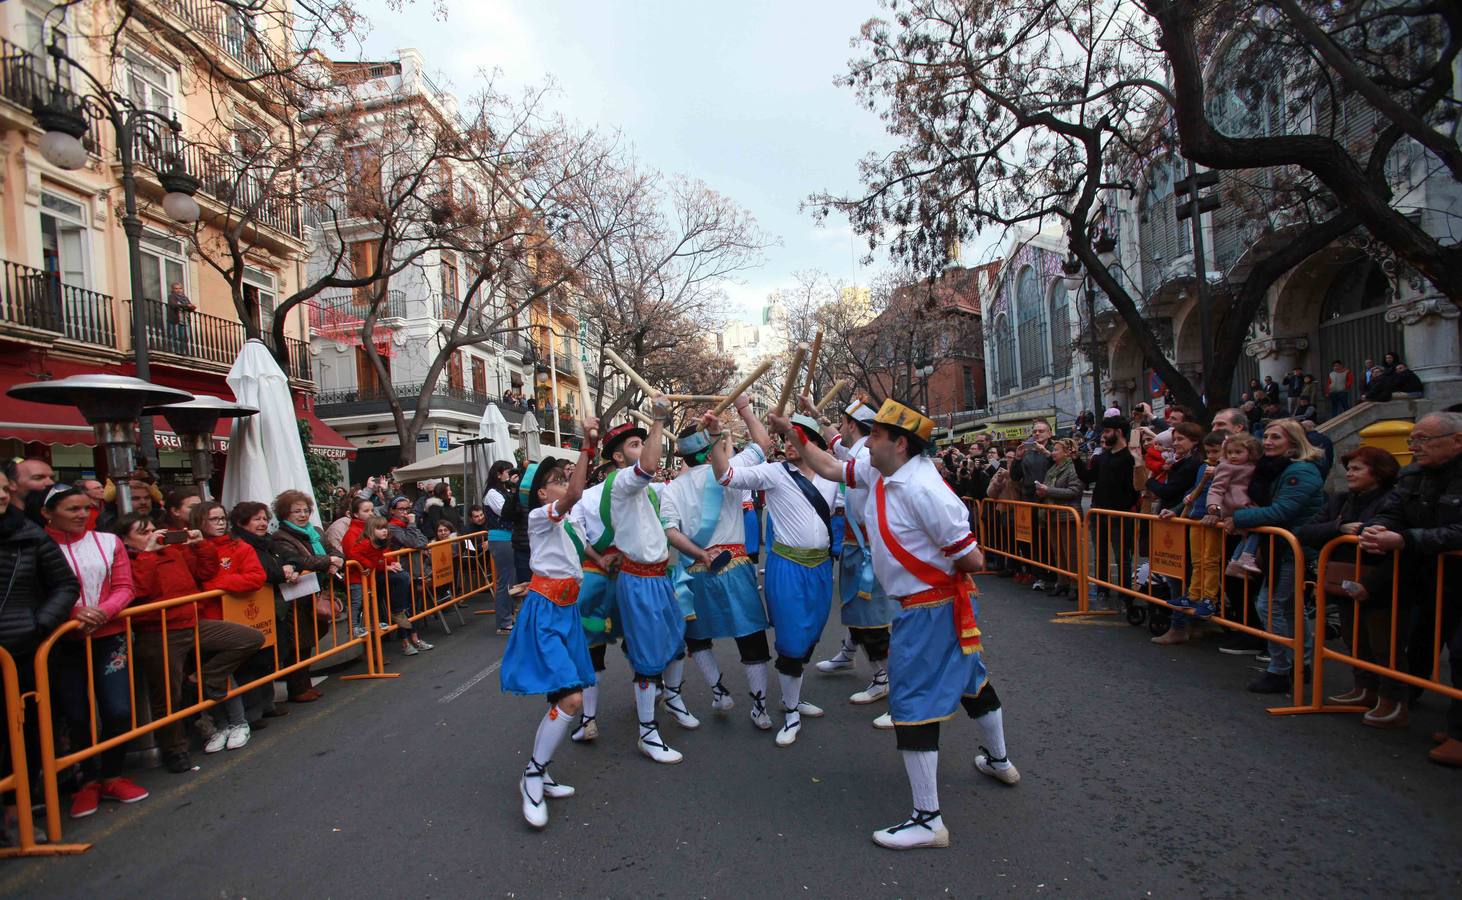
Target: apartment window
[(38, 36), (1060, 330), (163, 265), (362, 265), (147, 84), (363, 172), (454, 371), (259, 297), (1031, 328), (64, 239), (479, 376), (449, 278)]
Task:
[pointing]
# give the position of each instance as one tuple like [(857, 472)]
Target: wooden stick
[(630, 373), (639, 416), (827, 398), (746, 383), (798, 355), (695, 398), (812, 361)]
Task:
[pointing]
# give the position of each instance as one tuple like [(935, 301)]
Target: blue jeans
[(113, 699), (1280, 607), (1339, 402), (503, 564)]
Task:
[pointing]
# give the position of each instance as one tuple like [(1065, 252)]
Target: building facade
[(67, 298)]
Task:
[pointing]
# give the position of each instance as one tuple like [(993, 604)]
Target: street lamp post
[(1076, 278), (65, 123)]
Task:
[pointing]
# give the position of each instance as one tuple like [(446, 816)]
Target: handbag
[(1343, 570)]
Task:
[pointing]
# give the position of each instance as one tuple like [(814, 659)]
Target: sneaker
[(809, 710), (535, 812), (85, 801), (884, 722), (987, 765), (1181, 603), (409, 650), (675, 705), (360, 631), (423, 645), (1271, 683), (787, 734), (759, 716), (587, 731), (653, 746), (238, 736), (1204, 609), (179, 762), (924, 829), (842, 661), (217, 741), (1038, 585), (877, 689), (721, 699), (123, 790), (1242, 566), (1240, 644), (506, 630)]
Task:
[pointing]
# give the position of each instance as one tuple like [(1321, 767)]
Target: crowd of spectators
[(67, 552)]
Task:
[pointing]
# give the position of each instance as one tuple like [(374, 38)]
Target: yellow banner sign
[(1023, 524), (255, 610), (1169, 551), (441, 564)]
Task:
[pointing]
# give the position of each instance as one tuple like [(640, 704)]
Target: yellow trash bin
[(1390, 435)]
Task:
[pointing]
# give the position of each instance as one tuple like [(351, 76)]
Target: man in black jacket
[(1110, 474), (1423, 519), (1032, 462)]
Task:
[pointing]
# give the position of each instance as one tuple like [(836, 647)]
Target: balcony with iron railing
[(346, 312), (226, 28), (25, 81), (243, 193), (38, 306)]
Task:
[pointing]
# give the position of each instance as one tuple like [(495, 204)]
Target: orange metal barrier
[(1391, 663), (308, 650), (442, 575), (1166, 543), (1046, 535), (18, 781)]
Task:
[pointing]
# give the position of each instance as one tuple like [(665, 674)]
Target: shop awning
[(325, 440)]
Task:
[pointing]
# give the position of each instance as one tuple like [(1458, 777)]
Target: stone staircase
[(1345, 429)]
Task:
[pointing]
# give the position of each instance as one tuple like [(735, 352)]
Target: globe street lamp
[(63, 117), (111, 404)]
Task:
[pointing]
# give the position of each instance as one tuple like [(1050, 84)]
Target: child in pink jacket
[(1230, 491)]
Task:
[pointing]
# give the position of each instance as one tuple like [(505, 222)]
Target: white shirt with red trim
[(552, 551), (924, 516), (681, 501), (797, 524), (638, 532)]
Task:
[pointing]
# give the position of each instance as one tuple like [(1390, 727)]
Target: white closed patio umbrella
[(265, 456), (492, 425), (531, 435)]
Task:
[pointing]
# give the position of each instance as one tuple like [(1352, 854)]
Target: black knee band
[(653, 679), (556, 696), (873, 640), (753, 648), (596, 656), (696, 645), (917, 737), (788, 665), (987, 702)]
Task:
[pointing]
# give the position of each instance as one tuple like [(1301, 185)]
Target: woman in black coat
[(37, 591)]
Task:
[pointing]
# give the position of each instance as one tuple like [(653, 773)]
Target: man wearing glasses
[(1422, 519)]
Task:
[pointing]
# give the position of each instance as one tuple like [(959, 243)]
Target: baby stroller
[(1158, 618)]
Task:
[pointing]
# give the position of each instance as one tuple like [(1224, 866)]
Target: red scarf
[(958, 585)]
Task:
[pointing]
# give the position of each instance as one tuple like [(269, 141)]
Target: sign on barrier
[(442, 570), (1024, 525), (255, 610), (1169, 548)]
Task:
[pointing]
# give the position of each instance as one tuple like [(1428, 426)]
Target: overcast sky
[(739, 95)]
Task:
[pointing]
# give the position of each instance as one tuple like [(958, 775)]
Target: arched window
[(1004, 355), (1030, 314), (1060, 330)]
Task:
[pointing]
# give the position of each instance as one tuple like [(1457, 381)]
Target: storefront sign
[(1169, 549)]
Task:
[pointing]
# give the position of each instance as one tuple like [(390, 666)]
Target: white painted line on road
[(467, 685), (1073, 620)]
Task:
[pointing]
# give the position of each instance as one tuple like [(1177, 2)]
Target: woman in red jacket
[(101, 565), (161, 572), (369, 550)]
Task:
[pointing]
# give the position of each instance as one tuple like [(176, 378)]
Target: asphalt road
[(1146, 771)]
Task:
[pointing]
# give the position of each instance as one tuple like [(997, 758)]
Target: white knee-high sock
[(850, 646), (674, 674), (992, 733), (706, 660), (554, 726), (645, 700), (923, 769), (791, 690), (591, 701), (756, 680)]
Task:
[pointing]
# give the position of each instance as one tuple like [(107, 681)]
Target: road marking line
[(467, 685), (1074, 620)]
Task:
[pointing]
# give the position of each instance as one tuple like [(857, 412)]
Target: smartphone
[(175, 537)]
